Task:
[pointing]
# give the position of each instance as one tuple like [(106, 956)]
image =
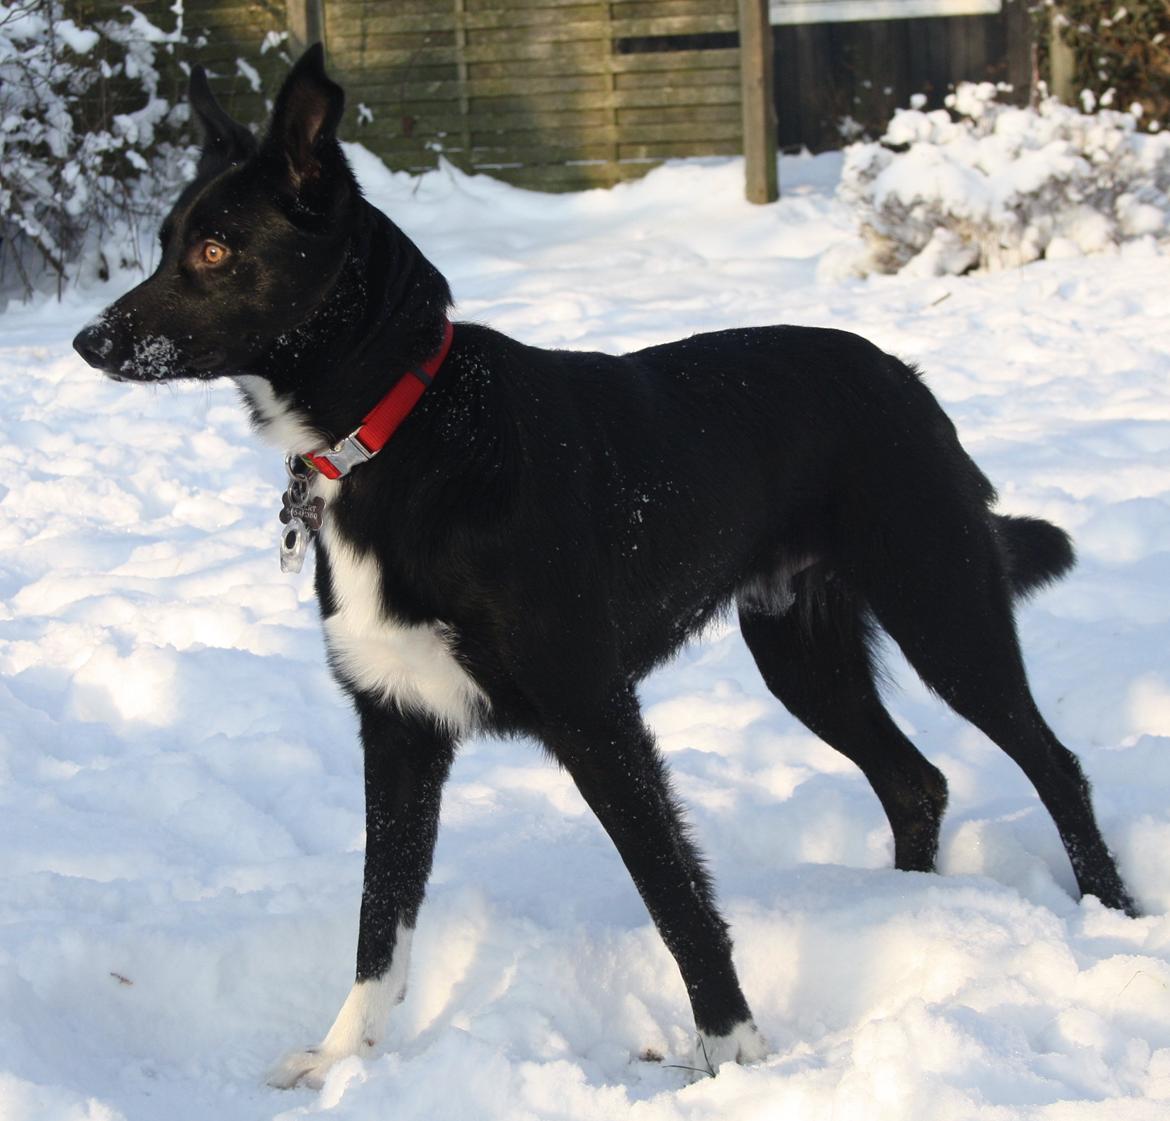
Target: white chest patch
[(411, 665)]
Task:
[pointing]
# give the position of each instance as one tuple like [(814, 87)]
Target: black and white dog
[(508, 539)]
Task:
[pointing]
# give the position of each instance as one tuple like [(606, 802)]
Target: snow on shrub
[(989, 185), (88, 143)]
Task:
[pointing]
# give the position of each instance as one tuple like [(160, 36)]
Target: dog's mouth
[(208, 363), (158, 359)]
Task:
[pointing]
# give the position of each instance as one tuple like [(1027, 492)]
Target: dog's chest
[(371, 651), (408, 664)]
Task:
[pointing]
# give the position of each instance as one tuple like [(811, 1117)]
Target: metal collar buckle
[(347, 454)]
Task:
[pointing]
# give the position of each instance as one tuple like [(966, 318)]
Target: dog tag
[(300, 516), (310, 512), (294, 543)]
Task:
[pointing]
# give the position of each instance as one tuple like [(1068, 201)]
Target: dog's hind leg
[(937, 583), (816, 657), (407, 758), (612, 757)]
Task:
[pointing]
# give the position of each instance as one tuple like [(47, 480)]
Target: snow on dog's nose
[(106, 343), (116, 344)]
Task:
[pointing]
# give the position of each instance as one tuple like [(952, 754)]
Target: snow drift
[(180, 780)]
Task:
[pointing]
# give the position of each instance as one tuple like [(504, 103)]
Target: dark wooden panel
[(825, 72)]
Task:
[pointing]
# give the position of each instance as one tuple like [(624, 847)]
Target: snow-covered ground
[(181, 815)]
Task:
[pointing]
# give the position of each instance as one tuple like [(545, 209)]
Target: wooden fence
[(555, 94), (543, 93), (564, 94)]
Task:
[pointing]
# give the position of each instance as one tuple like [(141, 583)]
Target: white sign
[(845, 11)]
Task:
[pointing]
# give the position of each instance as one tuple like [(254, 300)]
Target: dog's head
[(251, 248)]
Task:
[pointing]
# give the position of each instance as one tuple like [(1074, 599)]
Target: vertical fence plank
[(306, 23), (461, 74), (611, 85), (1018, 44), (759, 111), (1062, 63)]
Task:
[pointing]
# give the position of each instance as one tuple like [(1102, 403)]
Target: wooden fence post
[(306, 23), (759, 110), (1062, 62)]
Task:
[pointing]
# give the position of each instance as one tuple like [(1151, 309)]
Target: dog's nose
[(94, 344)]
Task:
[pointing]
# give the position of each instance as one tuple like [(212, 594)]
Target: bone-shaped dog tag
[(294, 543), (311, 511)]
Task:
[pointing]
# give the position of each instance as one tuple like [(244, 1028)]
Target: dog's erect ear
[(224, 140), (305, 119)]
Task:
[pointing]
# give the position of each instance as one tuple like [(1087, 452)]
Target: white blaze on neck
[(279, 422)]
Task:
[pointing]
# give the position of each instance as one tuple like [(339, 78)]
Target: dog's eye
[(212, 253)]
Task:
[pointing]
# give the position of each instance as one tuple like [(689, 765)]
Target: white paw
[(743, 1044), (305, 1068), (357, 1029)]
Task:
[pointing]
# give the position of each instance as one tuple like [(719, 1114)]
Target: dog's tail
[(1036, 552)]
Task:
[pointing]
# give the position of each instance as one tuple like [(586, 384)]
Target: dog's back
[(657, 486)]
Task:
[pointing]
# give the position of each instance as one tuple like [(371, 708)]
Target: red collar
[(382, 421)]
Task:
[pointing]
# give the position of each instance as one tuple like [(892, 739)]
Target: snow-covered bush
[(89, 144), (989, 185)]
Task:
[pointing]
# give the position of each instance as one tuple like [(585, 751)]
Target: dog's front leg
[(613, 760), (407, 758)]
